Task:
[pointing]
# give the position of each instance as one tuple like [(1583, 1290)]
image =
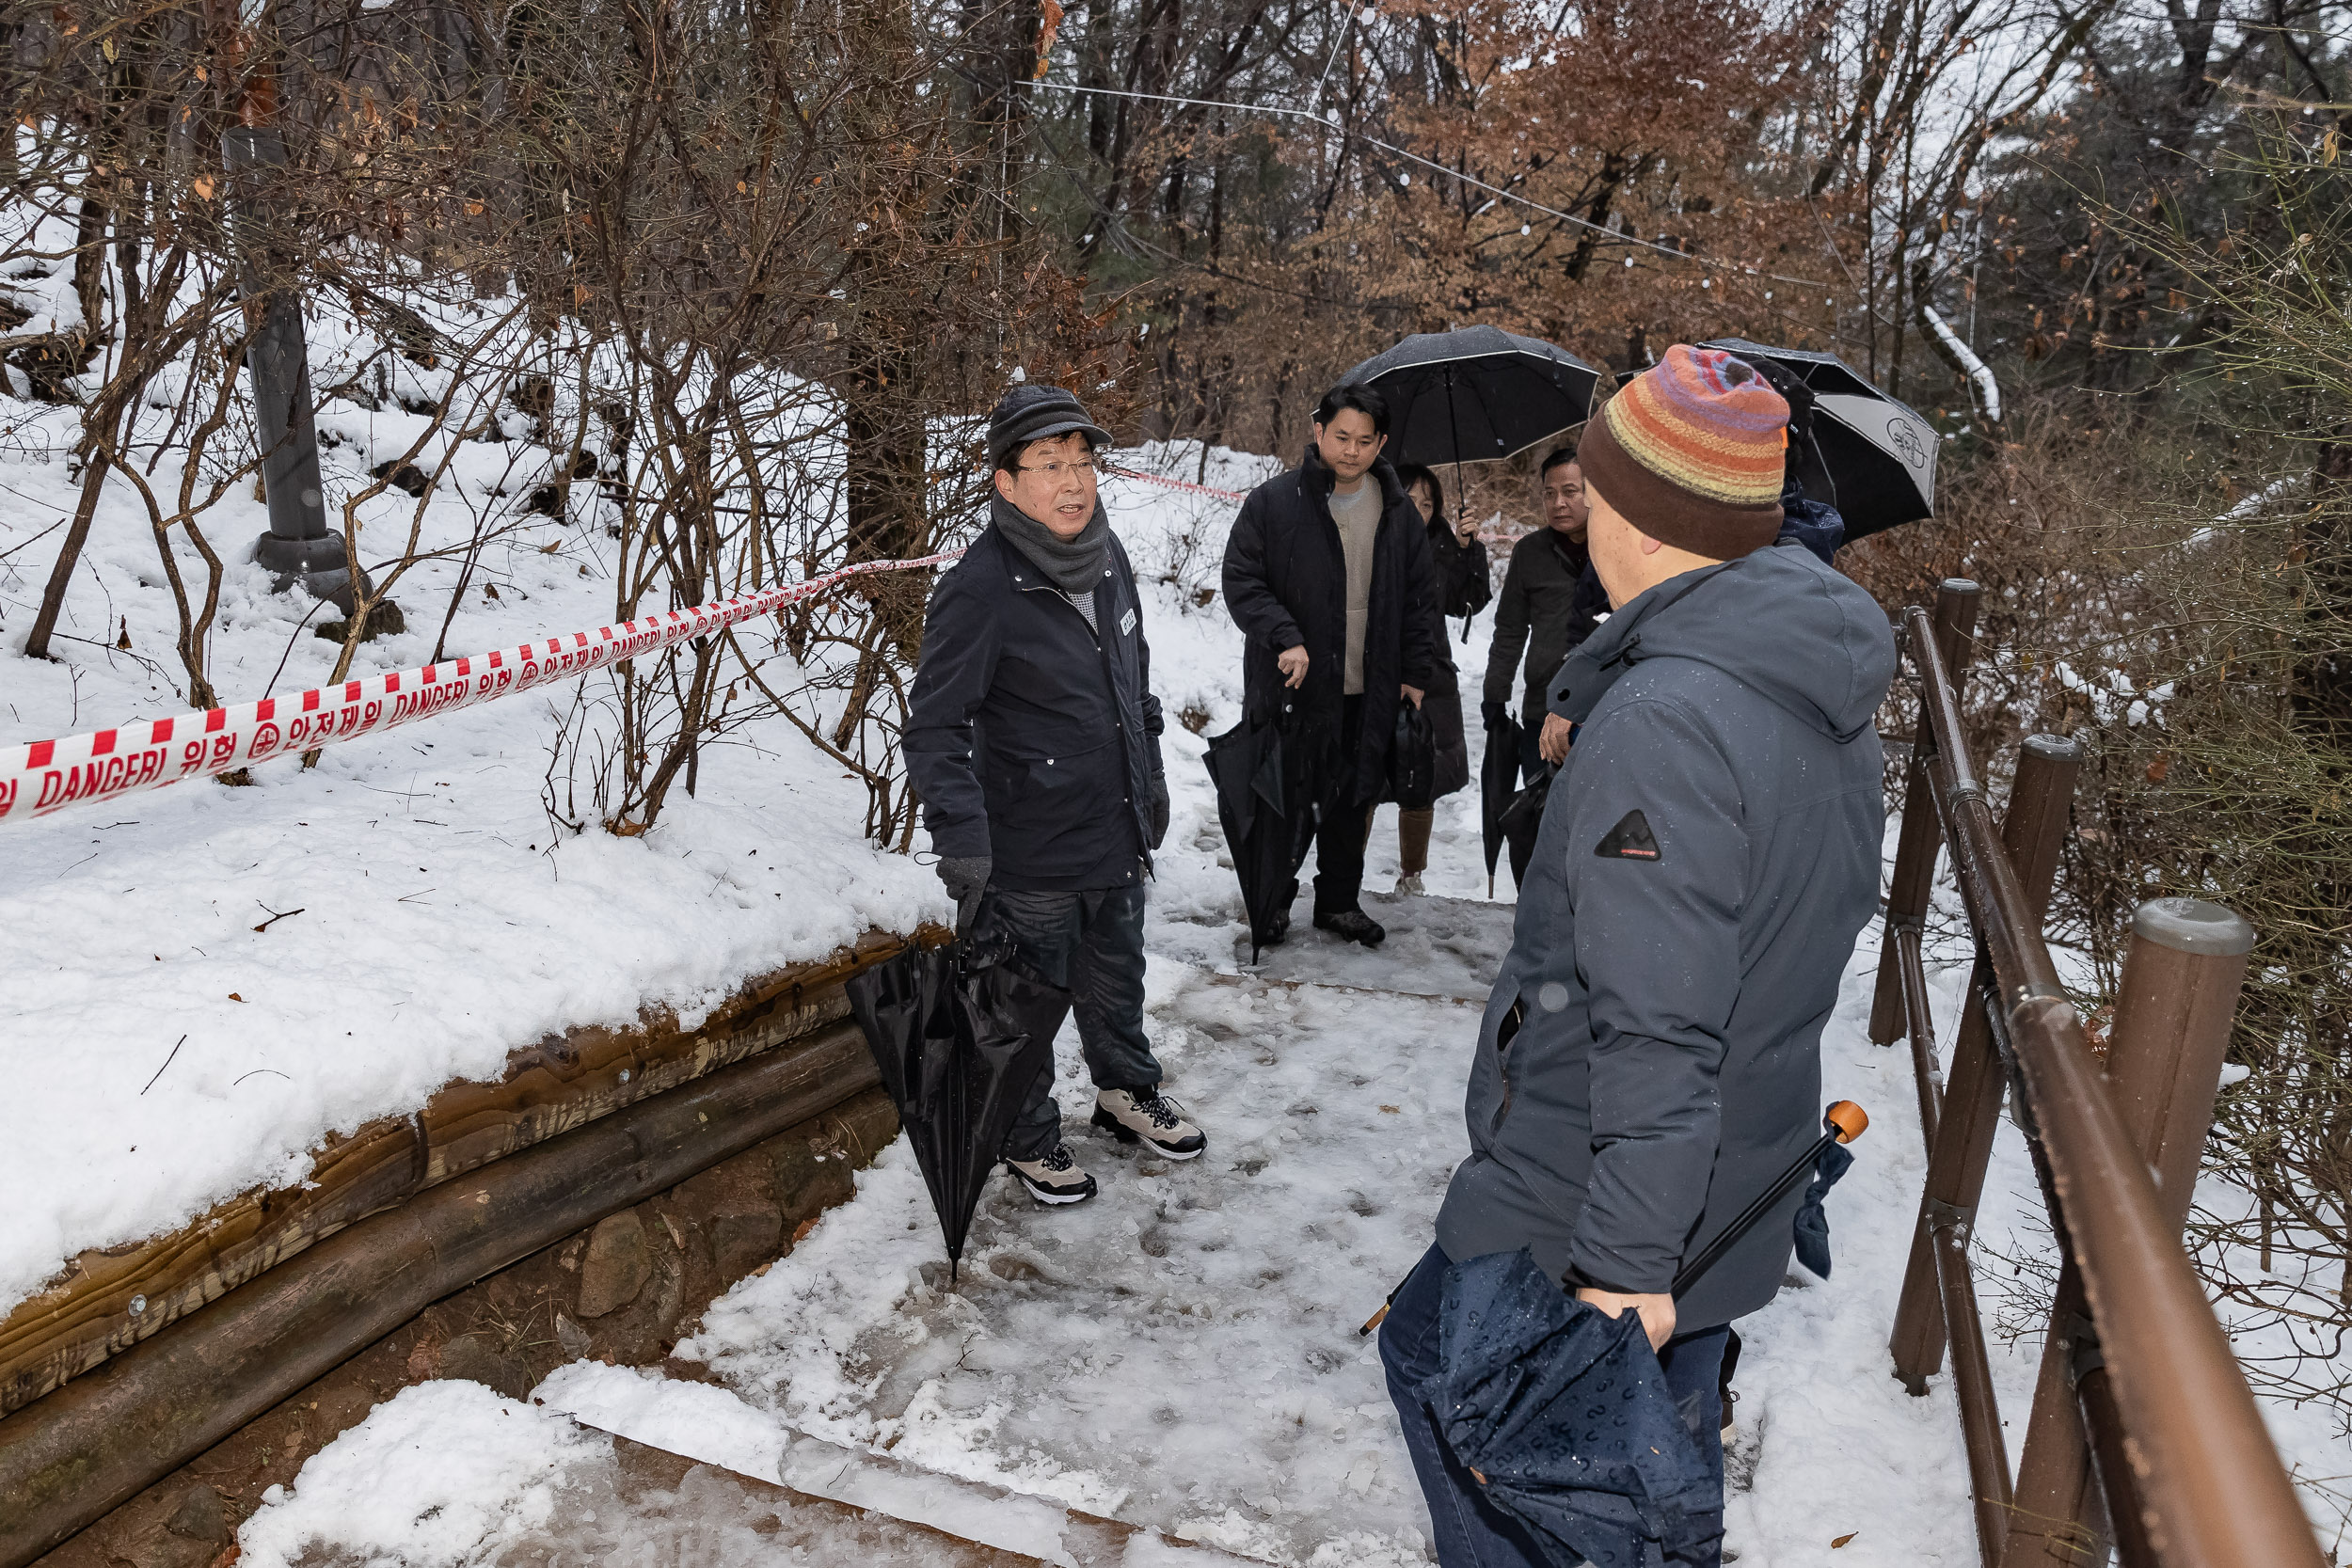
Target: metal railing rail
[(2144, 1434)]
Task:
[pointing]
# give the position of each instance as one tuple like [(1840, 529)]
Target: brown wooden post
[(2173, 1016), (1979, 1406), (2039, 805), (1921, 835)]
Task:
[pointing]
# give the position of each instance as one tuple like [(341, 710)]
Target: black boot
[(1353, 925)]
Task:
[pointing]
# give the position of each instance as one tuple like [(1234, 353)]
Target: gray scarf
[(1074, 566)]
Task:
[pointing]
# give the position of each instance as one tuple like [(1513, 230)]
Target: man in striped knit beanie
[(1650, 1057)]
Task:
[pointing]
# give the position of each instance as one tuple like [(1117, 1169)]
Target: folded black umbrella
[(961, 1036), (1879, 454), (1498, 781), (1267, 777), (1476, 394), (1521, 820)]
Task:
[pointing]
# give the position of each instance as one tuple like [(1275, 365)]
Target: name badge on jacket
[(1127, 622)]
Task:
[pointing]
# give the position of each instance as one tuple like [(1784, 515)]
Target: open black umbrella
[(1267, 777), (1563, 1414), (1497, 779), (1476, 394), (961, 1038), (1880, 454)]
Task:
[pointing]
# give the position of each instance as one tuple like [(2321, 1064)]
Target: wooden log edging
[(70, 1458), (113, 1300)]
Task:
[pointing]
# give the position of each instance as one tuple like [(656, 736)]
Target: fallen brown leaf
[(1843, 1538), (235, 997)]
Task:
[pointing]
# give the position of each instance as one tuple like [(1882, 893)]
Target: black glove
[(1495, 714), (965, 877), (1159, 809)]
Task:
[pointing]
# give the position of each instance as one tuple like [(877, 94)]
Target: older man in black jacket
[(1033, 738), (1550, 603), (1328, 572)]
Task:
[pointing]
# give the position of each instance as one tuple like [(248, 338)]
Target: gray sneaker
[(1148, 1116), (1054, 1177)]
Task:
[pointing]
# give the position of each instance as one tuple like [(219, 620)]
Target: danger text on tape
[(51, 775)]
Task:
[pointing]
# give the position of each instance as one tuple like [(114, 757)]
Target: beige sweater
[(1358, 519)]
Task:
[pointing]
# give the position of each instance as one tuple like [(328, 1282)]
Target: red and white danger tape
[(1179, 484), (51, 775)]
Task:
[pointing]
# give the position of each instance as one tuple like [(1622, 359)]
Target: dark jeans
[(1341, 835), (1469, 1531), (1091, 944)]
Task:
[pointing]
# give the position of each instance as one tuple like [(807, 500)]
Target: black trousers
[(1091, 944), (1340, 836)]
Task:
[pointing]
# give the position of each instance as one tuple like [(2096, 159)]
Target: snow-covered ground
[(163, 1055), (1180, 1355)]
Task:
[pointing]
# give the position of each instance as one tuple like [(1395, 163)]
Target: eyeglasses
[(1077, 466)]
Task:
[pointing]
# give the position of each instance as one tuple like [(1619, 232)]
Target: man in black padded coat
[(1328, 572)]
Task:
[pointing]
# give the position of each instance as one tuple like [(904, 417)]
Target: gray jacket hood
[(1800, 634)]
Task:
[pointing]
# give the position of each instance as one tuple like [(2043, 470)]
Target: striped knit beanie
[(1690, 451)]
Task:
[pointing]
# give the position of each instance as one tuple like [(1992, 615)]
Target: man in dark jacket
[(1328, 572), (1033, 738), (1650, 1057), (1550, 603)]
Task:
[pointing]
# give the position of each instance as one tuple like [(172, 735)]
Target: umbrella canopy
[(1566, 1414), (1476, 394), (960, 1038), (1265, 782), (1497, 779), (1880, 454)]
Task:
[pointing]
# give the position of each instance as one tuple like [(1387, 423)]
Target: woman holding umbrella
[(1465, 577), (1458, 563)]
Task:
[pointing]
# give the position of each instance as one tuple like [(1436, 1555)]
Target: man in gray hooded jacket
[(1649, 1058)]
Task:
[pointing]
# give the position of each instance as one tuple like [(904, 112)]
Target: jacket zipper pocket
[(1506, 1033)]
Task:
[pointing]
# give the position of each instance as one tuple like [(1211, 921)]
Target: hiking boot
[(1353, 925), (1148, 1116), (1054, 1177), (1277, 927), (1409, 885)]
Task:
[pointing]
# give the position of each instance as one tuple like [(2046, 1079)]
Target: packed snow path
[(1180, 1354), (1182, 1351)]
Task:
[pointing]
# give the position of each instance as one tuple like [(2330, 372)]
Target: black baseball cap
[(1034, 413)]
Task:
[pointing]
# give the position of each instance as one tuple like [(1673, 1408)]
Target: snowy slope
[(162, 1054)]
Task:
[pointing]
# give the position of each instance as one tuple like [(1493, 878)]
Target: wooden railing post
[(1921, 835), (2172, 1016), (2038, 808)]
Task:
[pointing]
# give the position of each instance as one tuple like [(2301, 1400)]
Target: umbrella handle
[(1843, 1122)]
